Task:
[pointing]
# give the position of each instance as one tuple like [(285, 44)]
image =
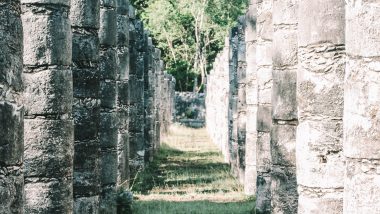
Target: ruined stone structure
[(84, 18), (292, 102), (48, 101), (251, 101), (190, 109), (80, 90), (311, 90)]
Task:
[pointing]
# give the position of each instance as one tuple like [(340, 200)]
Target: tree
[(190, 33)]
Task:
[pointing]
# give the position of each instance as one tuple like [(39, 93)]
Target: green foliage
[(189, 33)]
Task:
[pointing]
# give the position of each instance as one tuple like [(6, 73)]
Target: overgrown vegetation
[(189, 175), (189, 33)]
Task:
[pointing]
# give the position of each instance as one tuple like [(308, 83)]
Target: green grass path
[(189, 175)]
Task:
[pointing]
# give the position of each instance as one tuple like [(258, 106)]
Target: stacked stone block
[(361, 108), (64, 95), (148, 99), (136, 94), (157, 99), (11, 109), (264, 111), (308, 159), (122, 79), (84, 17), (109, 118), (321, 52), (217, 103), (48, 100), (284, 108), (251, 101), (241, 100), (233, 99)]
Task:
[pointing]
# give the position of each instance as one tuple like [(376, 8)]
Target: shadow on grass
[(172, 168), (174, 173), (192, 207)]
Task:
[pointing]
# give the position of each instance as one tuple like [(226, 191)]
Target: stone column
[(163, 99), (361, 108), (148, 98), (108, 102), (321, 51), (251, 100), (157, 100), (241, 100), (136, 95), (84, 17), (164, 102), (11, 109), (264, 117), (233, 100), (122, 92), (284, 107), (48, 99), (224, 132)]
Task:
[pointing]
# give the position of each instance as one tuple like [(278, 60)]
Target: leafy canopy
[(190, 33)]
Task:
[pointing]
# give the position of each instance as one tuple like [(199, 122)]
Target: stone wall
[(80, 89), (311, 105), (190, 109)]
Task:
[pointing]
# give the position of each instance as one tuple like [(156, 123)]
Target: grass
[(188, 175)]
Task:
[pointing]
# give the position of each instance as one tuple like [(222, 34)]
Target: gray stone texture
[(251, 100), (109, 118), (361, 108), (190, 109), (80, 89), (284, 108), (122, 91), (320, 161), (217, 101), (233, 99), (49, 131), (241, 100), (85, 22), (264, 99), (136, 110), (11, 109)]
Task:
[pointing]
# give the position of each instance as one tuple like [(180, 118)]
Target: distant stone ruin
[(292, 102), (83, 103), (190, 109)]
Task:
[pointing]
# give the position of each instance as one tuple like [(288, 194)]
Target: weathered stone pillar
[(157, 98), (122, 92), (361, 108), (284, 107), (233, 100), (109, 120), (48, 98), (84, 17), (148, 98), (251, 100), (321, 50), (162, 93), (241, 100), (11, 109), (136, 94), (264, 117), (225, 76)]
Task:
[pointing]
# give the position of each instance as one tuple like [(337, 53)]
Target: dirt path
[(189, 176)]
